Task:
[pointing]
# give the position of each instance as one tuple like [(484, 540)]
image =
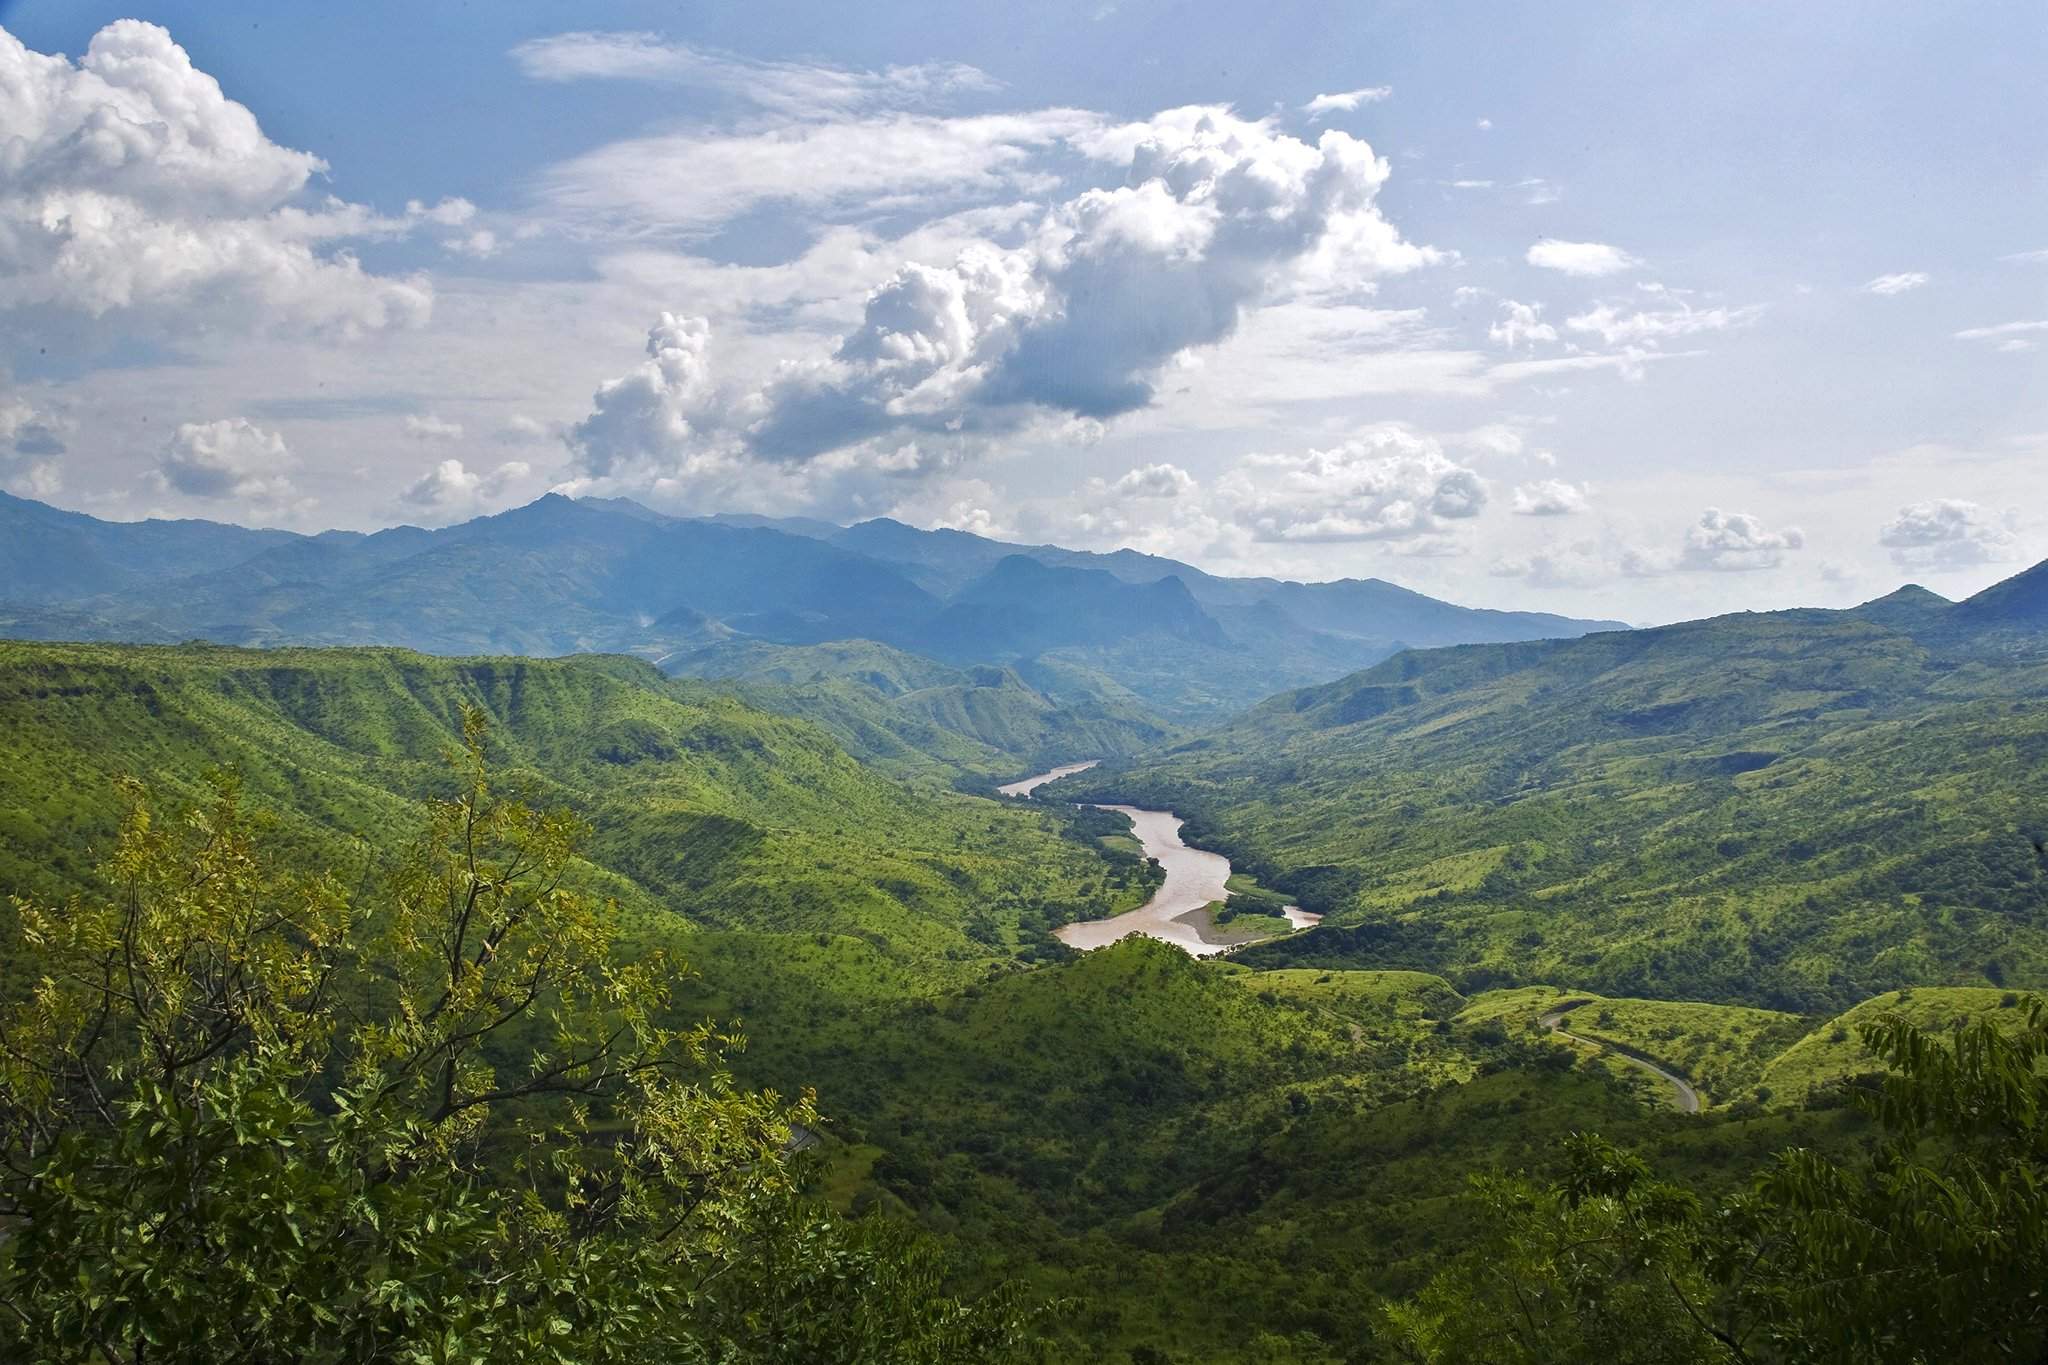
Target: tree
[(252, 1116), (1932, 1248)]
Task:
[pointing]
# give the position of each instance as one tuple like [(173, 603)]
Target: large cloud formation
[(130, 185), (1389, 484), (1214, 215)]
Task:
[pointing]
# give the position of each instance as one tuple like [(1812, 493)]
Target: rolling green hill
[(706, 811), (908, 714), (1795, 810)]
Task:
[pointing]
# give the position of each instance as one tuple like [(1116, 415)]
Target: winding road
[(1553, 1020)]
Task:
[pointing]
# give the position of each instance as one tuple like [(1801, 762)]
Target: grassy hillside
[(1794, 811), (706, 811), (1834, 1052), (908, 714)]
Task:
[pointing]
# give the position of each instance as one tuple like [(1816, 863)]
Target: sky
[(1624, 310)]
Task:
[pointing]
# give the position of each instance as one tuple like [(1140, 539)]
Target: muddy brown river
[(1177, 912)]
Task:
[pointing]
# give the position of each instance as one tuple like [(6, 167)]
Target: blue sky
[(1641, 310)]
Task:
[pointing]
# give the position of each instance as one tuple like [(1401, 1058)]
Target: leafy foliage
[(250, 1115), (1934, 1247)]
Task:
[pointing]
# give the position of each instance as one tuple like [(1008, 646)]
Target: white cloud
[(431, 428), (448, 491), (1213, 215), (1520, 324), (1947, 533), (642, 422), (1896, 284), (1344, 102), (1549, 498), (2028, 257), (2003, 329), (871, 165), (1580, 564), (1387, 484), (229, 458), (1618, 326), (481, 244), (804, 89), (1580, 258), (28, 431), (520, 429), (131, 187), (1152, 481), (1736, 542)]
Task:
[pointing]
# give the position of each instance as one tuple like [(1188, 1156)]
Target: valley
[(1251, 1002)]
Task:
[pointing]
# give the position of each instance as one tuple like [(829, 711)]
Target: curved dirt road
[(1553, 1019)]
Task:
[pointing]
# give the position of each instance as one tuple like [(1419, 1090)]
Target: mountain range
[(561, 576)]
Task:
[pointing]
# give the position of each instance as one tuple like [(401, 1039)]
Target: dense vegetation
[(1264, 1158), (246, 1115), (910, 715), (706, 812), (1794, 811)]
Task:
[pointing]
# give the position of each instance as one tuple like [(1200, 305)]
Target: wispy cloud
[(696, 180), (1899, 283), (1345, 101), (2003, 329), (1580, 258), (797, 88)]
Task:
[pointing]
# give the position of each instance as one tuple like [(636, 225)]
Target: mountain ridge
[(563, 576)]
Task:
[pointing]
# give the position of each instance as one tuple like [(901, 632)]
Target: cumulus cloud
[(428, 427), (1623, 326), (1344, 102), (1214, 214), (131, 186), (643, 421), (1733, 542), (794, 88), (31, 442), (1520, 324), (449, 491), (230, 458), (1947, 533), (1580, 258), (1549, 498), (1388, 484), (1896, 284), (28, 431), (1152, 481)]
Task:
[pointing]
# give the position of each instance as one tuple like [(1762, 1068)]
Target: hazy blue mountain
[(48, 555), (1125, 631)]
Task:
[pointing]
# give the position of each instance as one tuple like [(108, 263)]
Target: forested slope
[(1797, 810)]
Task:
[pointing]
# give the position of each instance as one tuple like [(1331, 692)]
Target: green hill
[(1795, 810), (1834, 1052), (908, 714), (706, 811)]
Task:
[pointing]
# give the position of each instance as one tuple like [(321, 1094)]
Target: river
[(1177, 912)]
